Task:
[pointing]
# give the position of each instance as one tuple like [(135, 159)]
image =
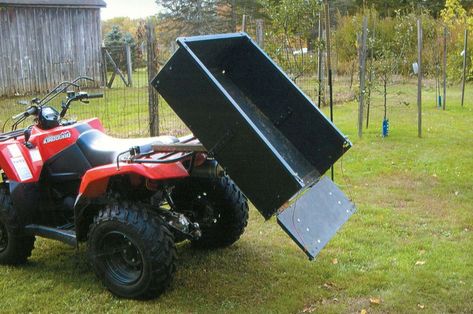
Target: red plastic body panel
[(51, 142), (20, 163), (24, 165), (95, 181)]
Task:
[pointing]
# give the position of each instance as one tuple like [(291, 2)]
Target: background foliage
[(291, 31)]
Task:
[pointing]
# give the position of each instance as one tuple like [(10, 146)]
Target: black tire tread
[(234, 211), (158, 240), (20, 245)]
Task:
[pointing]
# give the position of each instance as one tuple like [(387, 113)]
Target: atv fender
[(95, 181)]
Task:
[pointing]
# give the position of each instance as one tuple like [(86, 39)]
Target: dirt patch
[(352, 305)]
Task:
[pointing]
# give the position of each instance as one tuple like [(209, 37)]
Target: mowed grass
[(408, 247)]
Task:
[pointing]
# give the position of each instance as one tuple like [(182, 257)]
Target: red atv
[(131, 200)]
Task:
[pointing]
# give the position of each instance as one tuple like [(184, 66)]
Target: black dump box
[(267, 134)]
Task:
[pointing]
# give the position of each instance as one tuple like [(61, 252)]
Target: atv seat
[(101, 149)]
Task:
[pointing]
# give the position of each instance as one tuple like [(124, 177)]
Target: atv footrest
[(66, 236)]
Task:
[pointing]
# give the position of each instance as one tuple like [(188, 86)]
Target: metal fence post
[(419, 84), (243, 23), (153, 98), (260, 32), (445, 34), (104, 67), (319, 63), (465, 64), (129, 65), (329, 67), (362, 76)]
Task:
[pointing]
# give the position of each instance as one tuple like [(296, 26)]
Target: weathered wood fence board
[(40, 47)]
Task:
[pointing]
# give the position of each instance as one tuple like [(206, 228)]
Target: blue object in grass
[(440, 101), (385, 127)]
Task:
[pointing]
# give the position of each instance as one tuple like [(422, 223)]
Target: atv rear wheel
[(221, 210), (15, 245), (131, 251)]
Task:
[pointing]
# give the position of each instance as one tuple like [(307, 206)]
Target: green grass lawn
[(409, 247)]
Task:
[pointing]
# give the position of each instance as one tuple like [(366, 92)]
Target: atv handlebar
[(92, 96), (28, 112), (61, 87), (38, 104), (80, 96)]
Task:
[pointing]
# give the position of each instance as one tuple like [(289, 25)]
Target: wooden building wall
[(42, 46)]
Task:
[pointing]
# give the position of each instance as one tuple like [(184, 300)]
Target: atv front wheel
[(220, 207), (131, 251), (15, 245)]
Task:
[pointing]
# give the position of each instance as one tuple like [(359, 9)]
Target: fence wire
[(124, 110)]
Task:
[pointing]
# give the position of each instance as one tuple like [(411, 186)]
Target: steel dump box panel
[(272, 140)]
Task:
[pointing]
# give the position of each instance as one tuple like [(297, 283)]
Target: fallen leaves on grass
[(420, 263), (334, 261), (421, 306), (363, 311), (330, 285), (376, 301), (309, 309)]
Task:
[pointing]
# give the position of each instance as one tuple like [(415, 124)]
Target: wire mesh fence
[(125, 108), (126, 96)]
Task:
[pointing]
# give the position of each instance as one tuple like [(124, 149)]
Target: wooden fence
[(41, 47)]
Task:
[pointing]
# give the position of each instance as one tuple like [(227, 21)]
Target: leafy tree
[(116, 37), (345, 7), (453, 13), (389, 7), (345, 43), (456, 17), (293, 24), (115, 42), (385, 67), (191, 17), (126, 25), (198, 17), (237, 8)]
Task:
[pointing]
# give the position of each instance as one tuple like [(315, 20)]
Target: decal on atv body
[(58, 137), (21, 167)]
